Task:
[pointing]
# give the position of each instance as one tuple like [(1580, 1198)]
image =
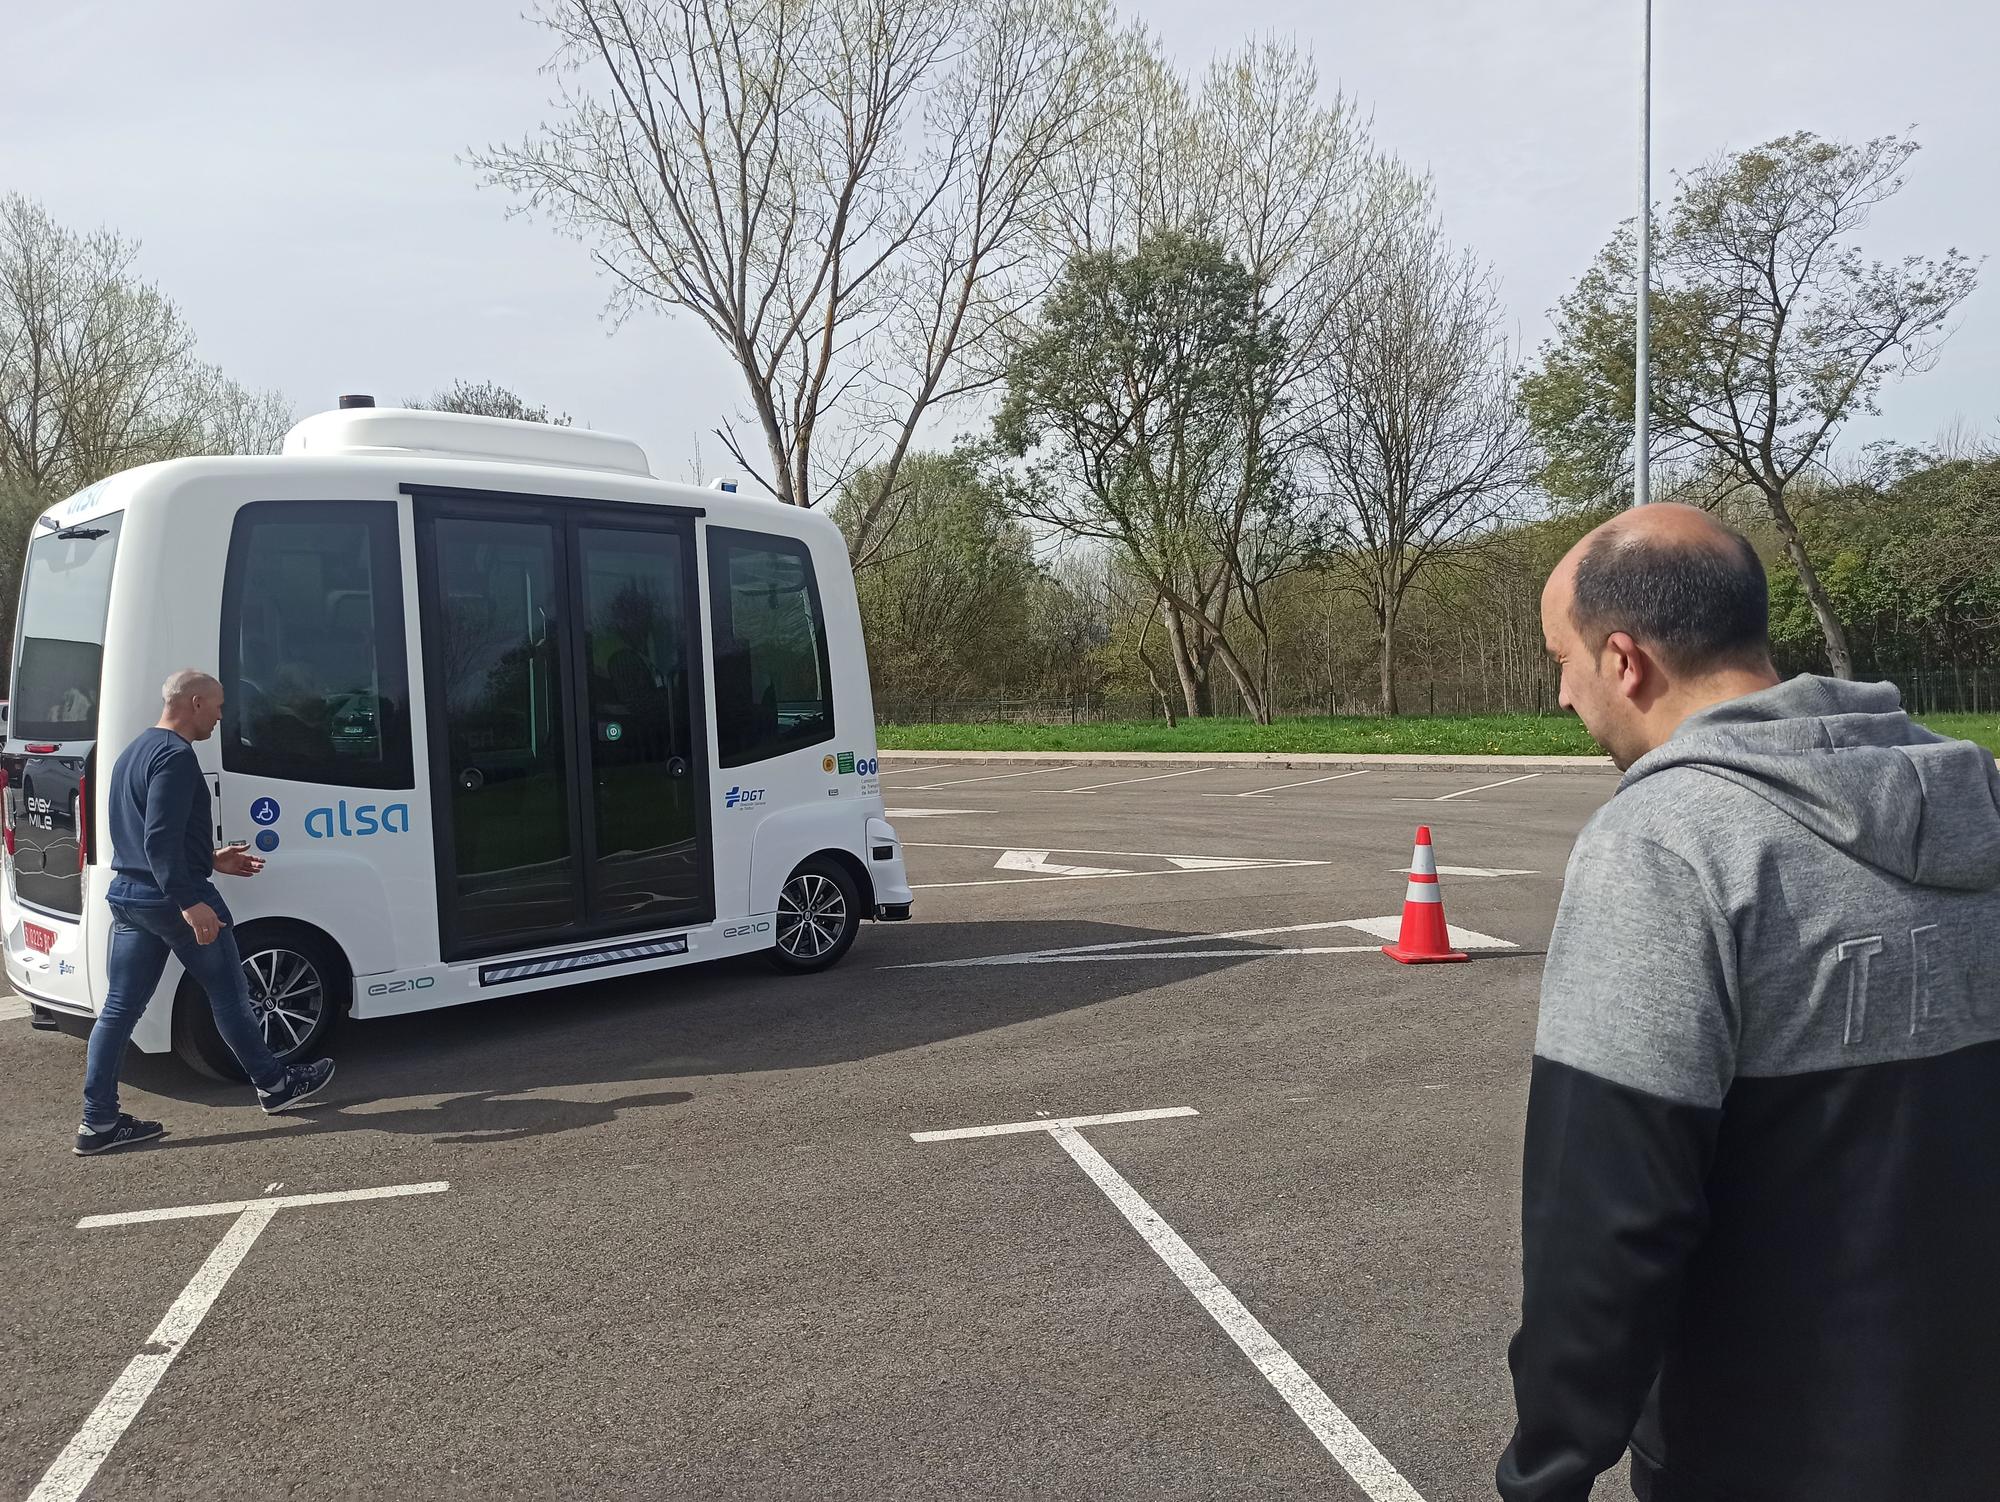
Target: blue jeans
[(142, 936)]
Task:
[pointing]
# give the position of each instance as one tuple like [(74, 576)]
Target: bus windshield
[(59, 642)]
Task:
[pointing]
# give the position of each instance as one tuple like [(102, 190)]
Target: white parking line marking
[(1128, 781), (12, 1007), (1169, 954), (1485, 787), (932, 787), (73, 1469), (1127, 949), (237, 1207), (934, 813), (1309, 782), (1023, 881), (65, 1480), (906, 771), (1351, 1450), (1234, 933), (1050, 1123), (1146, 855)]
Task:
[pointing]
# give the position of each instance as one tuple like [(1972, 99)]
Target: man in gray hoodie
[(1761, 1186)]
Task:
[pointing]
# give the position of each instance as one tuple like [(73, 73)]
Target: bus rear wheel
[(297, 982), (819, 913)]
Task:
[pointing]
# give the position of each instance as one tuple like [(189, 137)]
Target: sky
[(295, 174)]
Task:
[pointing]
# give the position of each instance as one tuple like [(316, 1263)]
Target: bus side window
[(314, 673), (773, 686)]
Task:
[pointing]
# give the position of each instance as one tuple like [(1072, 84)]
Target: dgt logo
[(742, 797), (327, 823)]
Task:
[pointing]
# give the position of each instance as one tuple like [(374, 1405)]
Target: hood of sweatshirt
[(1845, 761)]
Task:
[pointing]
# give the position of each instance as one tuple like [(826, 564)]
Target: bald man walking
[(1761, 1183), (163, 902)]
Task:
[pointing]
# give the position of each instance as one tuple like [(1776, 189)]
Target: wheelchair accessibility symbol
[(265, 811)]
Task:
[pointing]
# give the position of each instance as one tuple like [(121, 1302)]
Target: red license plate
[(39, 938)]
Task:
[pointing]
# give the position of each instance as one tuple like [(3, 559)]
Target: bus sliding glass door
[(561, 665)]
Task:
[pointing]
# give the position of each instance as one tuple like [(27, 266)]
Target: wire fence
[(1954, 690), (1424, 697)]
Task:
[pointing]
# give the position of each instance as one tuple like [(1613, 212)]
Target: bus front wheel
[(298, 986), (819, 913)]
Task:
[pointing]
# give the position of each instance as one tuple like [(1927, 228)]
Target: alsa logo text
[(742, 797), (331, 823)]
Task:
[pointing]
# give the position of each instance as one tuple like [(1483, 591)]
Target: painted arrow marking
[(1035, 864), (1470, 871), (1038, 862)]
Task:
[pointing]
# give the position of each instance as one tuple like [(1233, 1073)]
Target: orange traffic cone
[(1424, 940)]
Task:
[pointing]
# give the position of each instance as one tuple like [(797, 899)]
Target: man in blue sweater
[(163, 902)]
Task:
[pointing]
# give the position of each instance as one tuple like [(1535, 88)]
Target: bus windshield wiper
[(90, 534)]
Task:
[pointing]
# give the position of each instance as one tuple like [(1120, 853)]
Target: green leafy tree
[(1910, 557), (1127, 405), (1770, 330), (946, 599)]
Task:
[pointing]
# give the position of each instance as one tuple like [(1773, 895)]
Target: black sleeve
[(1612, 1204)]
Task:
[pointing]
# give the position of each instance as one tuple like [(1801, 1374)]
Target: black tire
[(819, 913), (297, 964)]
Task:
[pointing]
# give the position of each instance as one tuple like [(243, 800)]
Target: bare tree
[(1421, 439), (237, 420), (486, 399), (1770, 330), (1959, 437), (98, 370), (1303, 202), (1139, 169), (840, 192)]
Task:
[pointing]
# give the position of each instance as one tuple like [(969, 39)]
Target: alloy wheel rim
[(288, 997), (812, 915)]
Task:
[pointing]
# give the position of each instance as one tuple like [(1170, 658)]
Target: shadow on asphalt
[(729, 1017), (482, 1116)]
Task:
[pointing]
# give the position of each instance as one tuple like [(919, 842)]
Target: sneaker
[(301, 1084), (127, 1130)]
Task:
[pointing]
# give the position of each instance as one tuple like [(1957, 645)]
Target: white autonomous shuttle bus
[(502, 712)]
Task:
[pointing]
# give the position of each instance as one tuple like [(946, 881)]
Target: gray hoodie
[(1763, 1146)]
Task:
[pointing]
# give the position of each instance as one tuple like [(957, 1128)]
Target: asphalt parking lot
[(690, 1246)]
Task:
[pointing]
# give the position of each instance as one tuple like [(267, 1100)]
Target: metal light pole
[(1641, 382)]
